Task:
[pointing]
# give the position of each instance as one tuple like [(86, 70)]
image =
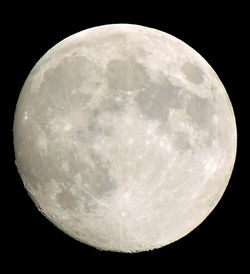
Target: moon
[(125, 137)]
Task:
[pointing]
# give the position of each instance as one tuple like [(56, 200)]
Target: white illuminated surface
[(125, 137)]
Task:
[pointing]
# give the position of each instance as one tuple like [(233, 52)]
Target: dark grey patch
[(84, 136), (112, 106), (115, 101), (67, 200), (79, 100), (208, 140), (69, 75), (97, 177), (126, 75), (200, 111), (193, 73), (96, 128), (156, 100), (181, 141)]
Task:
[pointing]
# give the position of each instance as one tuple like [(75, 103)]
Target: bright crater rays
[(124, 137)]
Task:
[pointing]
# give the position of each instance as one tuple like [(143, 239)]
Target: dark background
[(219, 34)]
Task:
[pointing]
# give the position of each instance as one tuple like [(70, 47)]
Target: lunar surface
[(124, 137)]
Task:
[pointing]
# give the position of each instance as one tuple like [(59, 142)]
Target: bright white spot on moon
[(67, 127), (124, 137)]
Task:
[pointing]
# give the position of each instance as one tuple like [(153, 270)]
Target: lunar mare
[(125, 137)]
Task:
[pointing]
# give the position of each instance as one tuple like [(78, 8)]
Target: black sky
[(219, 34)]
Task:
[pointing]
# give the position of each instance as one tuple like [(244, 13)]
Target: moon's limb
[(124, 137)]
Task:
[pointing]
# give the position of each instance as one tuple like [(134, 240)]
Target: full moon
[(125, 137)]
